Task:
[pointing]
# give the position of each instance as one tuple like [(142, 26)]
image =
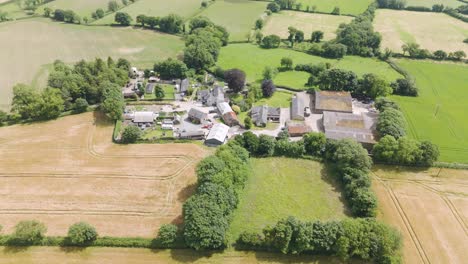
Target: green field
[(292, 79), (83, 8), (169, 93), (237, 16), (278, 23), (253, 60), (282, 187), (439, 113), (36, 42), (184, 8), (430, 3), (13, 9), (347, 7)]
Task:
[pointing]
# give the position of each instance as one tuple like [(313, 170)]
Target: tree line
[(365, 239), (413, 50)]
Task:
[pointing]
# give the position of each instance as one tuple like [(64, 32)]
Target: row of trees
[(365, 239), (207, 213), (171, 23), (413, 50)]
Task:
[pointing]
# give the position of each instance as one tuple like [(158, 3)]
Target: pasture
[(347, 7), (438, 114), (237, 16), (282, 187), (122, 190), (184, 8), (429, 207), (430, 3), (253, 59), (36, 42), (292, 79), (83, 8), (278, 24), (432, 31), (279, 99)]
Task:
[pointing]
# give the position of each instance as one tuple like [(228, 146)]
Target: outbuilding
[(297, 109), (196, 116), (144, 117), (218, 135), (199, 134), (333, 101)]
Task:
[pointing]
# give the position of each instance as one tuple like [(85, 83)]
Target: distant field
[(253, 59), (430, 3), (84, 8), (439, 113), (184, 8), (348, 7), (35, 42), (282, 187), (429, 207), (432, 31), (12, 8), (237, 16), (278, 23)]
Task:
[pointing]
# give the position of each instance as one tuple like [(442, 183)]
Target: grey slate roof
[(333, 101), (346, 125), (197, 114), (217, 135), (297, 109), (150, 88)]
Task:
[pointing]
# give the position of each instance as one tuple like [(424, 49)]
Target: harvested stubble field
[(184, 8), (432, 31), (33, 43), (429, 207), (278, 23), (68, 170)]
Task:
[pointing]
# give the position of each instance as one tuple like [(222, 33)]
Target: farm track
[(408, 223)]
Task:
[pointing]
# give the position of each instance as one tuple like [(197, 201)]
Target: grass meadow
[(282, 187), (432, 31), (253, 59), (439, 113), (292, 79), (348, 7), (278, 99), (184, 8), (33, 43), (83, 8), (278, 23), (430, 3), (237, 16)]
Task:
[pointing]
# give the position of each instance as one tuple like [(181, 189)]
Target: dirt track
[(430, 208), (68, 170)]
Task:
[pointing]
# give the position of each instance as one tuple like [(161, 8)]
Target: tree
[(316, 36), (235, 79), (382, 102), (299, 36), (373, 86), (338, 80), (348, 153), (458, 55), (159, 92), (250, 142), (99, 13), (271, 42), (259, 23), (124, 19), (440, 55), (51, 104), (112, 6), (335, 51), (248, 122), (130, 134), (47, 11), (28, 232), (25, 101), (141, 19), (269, 73), (287, 63), (336, 11), (113, 103), (391, 122), (273, 7), (125, 2), (199, 22), (59, 15), (404, 87), (385, 150), (266, 146), (208, 168), (81, 234), (167, 234), (438, 8), (81, 105), (268, 88), (430, 154), (314, 143), (171, 69), (171, 23)]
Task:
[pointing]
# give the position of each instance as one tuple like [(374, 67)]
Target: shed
[(297, 109), (230, 119), (196, 116), (150, 88), (153, 79), (333, 101), (184, 85), (199, 134), (217, 135), (298, 129), (144, 117)]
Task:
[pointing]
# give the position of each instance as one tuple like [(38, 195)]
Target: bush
[(271, 42), (171, 69), (336, 51), (29, 232), (268, 88), (248, 122), (314, 143), (404, 87), (81, 105), (81, 234), (382, 102), (391, 122), (167, 234), (130, 134)]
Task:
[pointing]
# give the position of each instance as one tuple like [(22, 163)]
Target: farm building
[(217, 135), (345, 125), (297, 109), (296, 129), (196, 116), (153, 79), (144, 117), (167, 124), (224, 108), (333, 101), (183, 86), (150, 88), (200, 134), (211, 97), (230, 119), (262, 114)]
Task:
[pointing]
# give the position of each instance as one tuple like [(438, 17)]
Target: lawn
[(279, 99), (253, 59), (278, 23), (430, 3), (169, 93), (282, 187), (184, 8), (439, 113), (347, 7), (157, 133), (83, 8), (432, 31), (292, 79), (237, 16), (36, 42)]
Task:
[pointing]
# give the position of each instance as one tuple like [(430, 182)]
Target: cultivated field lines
[(68, 170), (430, 207)]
